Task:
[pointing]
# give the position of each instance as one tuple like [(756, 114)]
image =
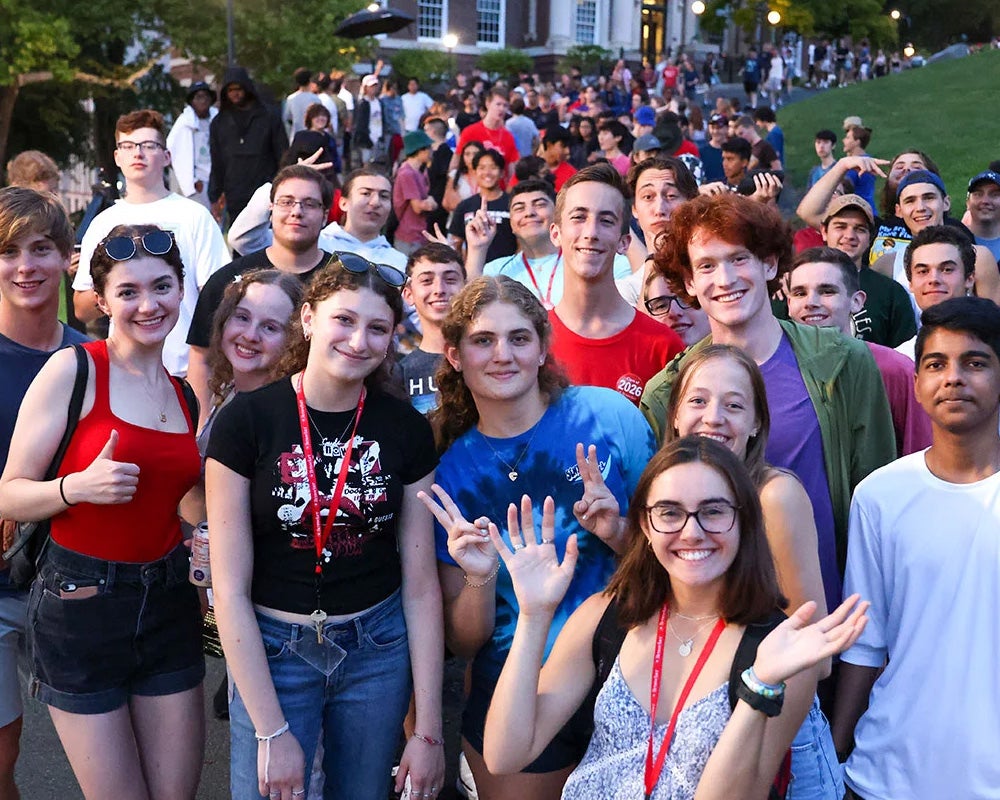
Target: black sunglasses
[(122, 248), (352, 262)]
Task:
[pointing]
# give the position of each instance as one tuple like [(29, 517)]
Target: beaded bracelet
[(428, 740), (488, 578), (756, 685)]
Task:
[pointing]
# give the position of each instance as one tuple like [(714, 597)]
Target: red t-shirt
[(806, 238), (623, 362), (687, 147), (563, 173), (670, 74), (501, 139)]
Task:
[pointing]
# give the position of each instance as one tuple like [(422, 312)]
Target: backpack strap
[(191, 400), (608, 638), (73, 412)]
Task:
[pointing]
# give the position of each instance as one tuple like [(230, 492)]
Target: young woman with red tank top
[(114, 623)]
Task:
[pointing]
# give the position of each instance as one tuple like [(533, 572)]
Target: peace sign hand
[(795, 645), (597, 511), (540, 581), (468, 544)]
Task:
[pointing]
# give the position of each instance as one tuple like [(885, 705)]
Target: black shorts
[(566, 749), (749, 88), (99, 631)]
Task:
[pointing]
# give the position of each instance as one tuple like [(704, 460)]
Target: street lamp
[(909, 51), (895, 15), (698, 7), (773, 17), (450, 41)]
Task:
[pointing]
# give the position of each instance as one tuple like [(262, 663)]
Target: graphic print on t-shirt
[(362, 511)]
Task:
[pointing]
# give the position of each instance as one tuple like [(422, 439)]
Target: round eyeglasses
[(122, 248), (715, 517), (359, 265)]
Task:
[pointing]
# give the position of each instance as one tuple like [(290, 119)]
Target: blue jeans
[(816, 773), (359, 707)]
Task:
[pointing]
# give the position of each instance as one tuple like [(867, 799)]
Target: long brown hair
[(457, 410), (750, 590), (756, 444), (220, 370), (327, 281)]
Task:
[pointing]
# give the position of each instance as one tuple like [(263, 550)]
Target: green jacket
[(847, 392)]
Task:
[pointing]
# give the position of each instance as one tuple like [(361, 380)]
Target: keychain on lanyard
[(546, 299), (321, 533)]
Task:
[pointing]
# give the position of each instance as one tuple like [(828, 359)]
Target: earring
[(307, 334)]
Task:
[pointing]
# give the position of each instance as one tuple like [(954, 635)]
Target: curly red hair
[(732, 218)]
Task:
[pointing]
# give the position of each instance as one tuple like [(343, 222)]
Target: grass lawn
[(946, 110)]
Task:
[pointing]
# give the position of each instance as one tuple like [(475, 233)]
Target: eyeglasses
[(145, 147), (658, 306), (352, 262), (122, 248), (288, 203), (716, 517)]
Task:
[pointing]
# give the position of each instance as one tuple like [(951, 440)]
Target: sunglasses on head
[(122, 248), (359, 265)]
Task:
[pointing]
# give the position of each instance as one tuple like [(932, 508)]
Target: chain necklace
[(686, 645), (512, 473), (323, 438)]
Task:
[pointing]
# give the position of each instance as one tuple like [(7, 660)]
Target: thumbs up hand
[(105, 481)]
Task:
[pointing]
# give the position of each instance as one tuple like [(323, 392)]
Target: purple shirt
[(796, 444)]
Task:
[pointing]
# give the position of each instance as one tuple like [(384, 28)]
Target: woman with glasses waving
[(701, 685), (114, 623), (720, 394), (508, 424), (323, 568)]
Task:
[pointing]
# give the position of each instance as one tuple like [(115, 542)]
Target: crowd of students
[(698, 496)]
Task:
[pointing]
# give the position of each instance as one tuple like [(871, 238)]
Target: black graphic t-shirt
[(257, 436)]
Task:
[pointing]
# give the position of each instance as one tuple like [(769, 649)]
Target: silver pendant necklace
[(687, 645), (512, 473)]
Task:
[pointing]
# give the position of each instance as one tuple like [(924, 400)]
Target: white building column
[(623, 15), (560, 26)]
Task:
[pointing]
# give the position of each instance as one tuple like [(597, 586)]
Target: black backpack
[(607, 643)]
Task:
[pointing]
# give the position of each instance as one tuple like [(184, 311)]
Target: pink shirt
[(909, 420), (410, 184)]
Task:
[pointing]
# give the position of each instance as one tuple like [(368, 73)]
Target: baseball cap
[(646, 142), (201, 86), (844, 201), (644, 115), (983, 177), (920, 176), (718, 119), (369, 80)]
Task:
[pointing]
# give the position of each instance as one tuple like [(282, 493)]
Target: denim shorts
[(566, 749), (816, 772), (100, 631), (357, 704)]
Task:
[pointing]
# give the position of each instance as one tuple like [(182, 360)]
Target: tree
[(505, 63), (590, 58)]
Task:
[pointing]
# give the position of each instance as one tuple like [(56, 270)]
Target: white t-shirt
[(202, 249), (926, 553), (414, 107), (545, 276)]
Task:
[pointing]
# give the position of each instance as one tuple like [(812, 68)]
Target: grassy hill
[(947, 110)]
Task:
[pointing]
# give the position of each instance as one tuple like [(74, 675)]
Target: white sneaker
[(466, 784)]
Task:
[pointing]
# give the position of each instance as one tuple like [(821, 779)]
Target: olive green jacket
[(847, 392)]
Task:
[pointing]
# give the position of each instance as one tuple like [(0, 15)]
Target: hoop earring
[(307, 334)]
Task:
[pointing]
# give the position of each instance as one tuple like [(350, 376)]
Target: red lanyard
[(653, 769), (322, 534), (547, 303)]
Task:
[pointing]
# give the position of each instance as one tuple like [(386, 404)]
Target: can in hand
[(201, 571)]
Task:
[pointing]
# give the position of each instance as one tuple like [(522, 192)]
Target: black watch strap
[(769, 706)]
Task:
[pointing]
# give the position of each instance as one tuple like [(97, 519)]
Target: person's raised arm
[(598, 511), (813, 206), (479, 235), (469, 591), (531, 703), (228, 498), (422, 761), (749, 752)]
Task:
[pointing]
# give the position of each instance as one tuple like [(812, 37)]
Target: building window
[(431, 18), (489, 21), (586, 21)]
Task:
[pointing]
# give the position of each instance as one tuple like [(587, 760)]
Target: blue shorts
[(100, 631)]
